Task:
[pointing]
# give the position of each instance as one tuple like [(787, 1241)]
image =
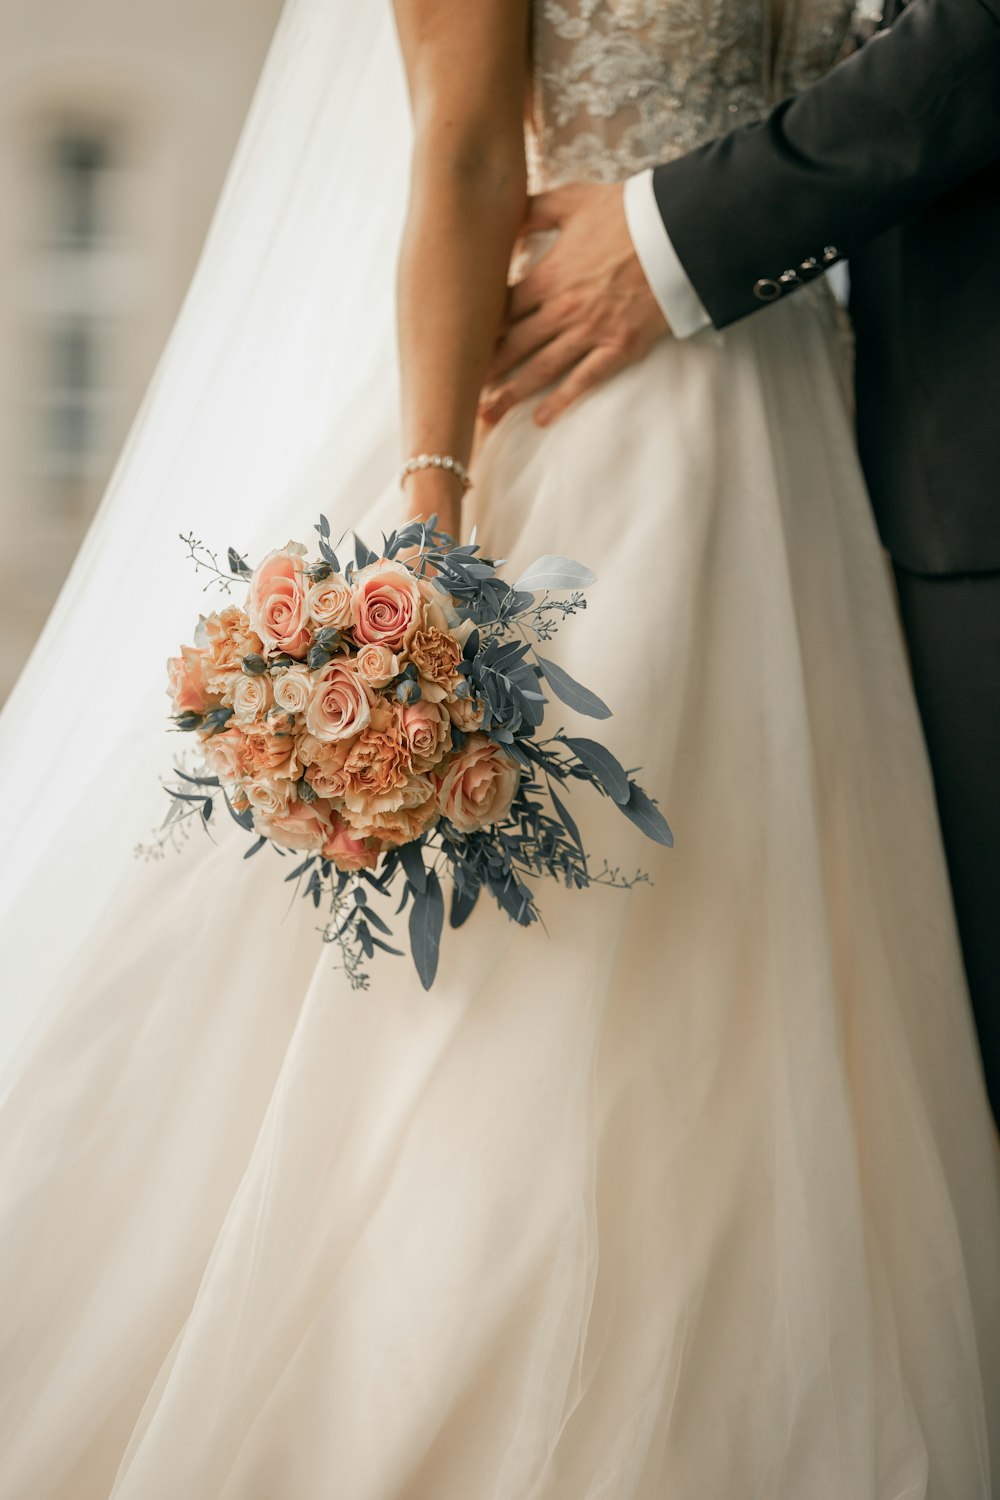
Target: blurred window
[(80, 287), (81, 162)]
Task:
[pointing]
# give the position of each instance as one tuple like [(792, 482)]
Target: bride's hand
[(431, 492)]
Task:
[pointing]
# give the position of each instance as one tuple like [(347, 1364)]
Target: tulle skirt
[(690, 1192)]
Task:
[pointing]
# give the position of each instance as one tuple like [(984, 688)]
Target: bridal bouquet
[(380, 719)]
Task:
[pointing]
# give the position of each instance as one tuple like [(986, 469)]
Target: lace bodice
[(621, 84)]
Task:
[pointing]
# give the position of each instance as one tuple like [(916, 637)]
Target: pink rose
[(277, 603), (386, 605), (302, 825), (427, 731), (347, 850), (329, 603), (377, 665), (340, 706), (478, 785), (187, 681)]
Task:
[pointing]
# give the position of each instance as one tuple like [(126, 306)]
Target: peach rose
[(377, 665), (225, 755), (230, 638), (267, 754), (187, 681), (346, 850), (386, 604), (340, 706), (378, 763), (436, 656), (277, 602), (329, 603), (302, 825), (251, 698), (478, 785), (325, 771), (427, 731), (467, 714), (292, 689), (400, 825)]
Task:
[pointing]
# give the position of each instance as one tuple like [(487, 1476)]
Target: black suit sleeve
[(907, 118)]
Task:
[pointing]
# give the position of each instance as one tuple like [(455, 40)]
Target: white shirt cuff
[(668, 280)]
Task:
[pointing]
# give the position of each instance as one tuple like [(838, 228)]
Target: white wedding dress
[(691, 1193)]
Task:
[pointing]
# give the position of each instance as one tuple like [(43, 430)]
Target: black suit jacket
[(893, 161)]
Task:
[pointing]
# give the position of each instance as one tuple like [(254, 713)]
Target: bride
[(692, 1193)]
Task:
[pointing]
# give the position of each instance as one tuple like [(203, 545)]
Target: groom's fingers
[(522, 339), (533, 375), (597, 367), (548, 210)]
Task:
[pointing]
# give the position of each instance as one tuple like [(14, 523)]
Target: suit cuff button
[(830, 254), (766, 290)]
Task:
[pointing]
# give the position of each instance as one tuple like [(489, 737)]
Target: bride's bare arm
[(466, 61)]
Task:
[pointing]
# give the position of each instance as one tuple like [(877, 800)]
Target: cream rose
[(329, 603), (427, 731), (467, 714), (277, 602), (268, 799), (292, 689), (341, 703), (377, 665), (439, 608), (478, 785), (251, 698), (386, 605), (187, 681)]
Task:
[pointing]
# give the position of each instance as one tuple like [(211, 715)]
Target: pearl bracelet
[(436, 461)]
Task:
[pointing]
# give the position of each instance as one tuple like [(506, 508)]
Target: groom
[(893, 160)]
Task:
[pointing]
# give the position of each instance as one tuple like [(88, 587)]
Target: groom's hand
[(584, 312)]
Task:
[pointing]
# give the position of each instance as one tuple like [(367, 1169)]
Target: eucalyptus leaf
[(412, 860), (463, 901), (426, 922), (568, 821), (558, 574), (573, 693), (644, 813), (363, 554), (605, 766)]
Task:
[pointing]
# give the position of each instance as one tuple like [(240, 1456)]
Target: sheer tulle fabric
[(691, 1192)]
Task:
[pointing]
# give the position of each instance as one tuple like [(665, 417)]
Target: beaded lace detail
[(619, 85)]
